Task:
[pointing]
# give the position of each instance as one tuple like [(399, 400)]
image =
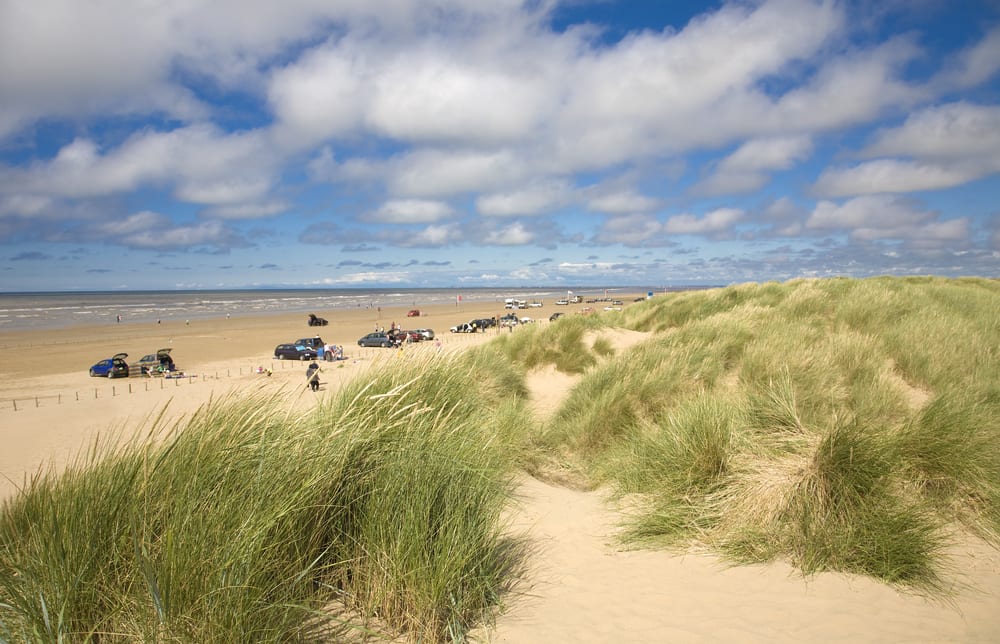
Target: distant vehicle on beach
[(509, 320), (376, 339), (562, 302), (427, 333), (555, 316), (301, 349), (413, 313), (113, 367), (317, 321), (154, 363), (294, 352)]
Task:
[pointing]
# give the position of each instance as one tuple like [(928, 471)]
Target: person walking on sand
[(312, 375)]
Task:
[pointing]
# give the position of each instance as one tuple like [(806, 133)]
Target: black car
[(294, 352), (377, 339)]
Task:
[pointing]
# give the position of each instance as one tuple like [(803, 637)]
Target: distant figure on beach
[(119, 319), (312, 376)]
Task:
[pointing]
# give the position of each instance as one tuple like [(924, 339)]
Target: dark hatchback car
[(113, 367), (294, 352)]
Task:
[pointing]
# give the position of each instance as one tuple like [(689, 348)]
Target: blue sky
[(450, 143)]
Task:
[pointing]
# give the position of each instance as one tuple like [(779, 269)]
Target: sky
[(188, 144)]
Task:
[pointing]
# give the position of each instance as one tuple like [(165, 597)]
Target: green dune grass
[(839, 425), (250, 522)]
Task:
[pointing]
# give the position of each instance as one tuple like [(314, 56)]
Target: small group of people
[(329, 352)]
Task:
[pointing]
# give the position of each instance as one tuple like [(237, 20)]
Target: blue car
[(112, 367)]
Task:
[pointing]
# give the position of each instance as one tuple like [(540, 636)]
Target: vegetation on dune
[(839, 424), (561, 344), (252, 522)]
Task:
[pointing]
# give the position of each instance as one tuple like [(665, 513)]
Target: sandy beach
[(580, 587), (50, 406)]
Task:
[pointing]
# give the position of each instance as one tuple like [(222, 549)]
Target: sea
[(52, 310)]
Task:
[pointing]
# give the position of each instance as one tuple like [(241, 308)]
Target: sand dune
[(580, 587)]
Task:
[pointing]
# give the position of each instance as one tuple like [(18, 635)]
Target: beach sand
[(61, 409), (580, 586)]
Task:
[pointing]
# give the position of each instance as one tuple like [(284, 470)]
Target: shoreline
[(62, 310)]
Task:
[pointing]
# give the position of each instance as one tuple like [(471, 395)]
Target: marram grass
[(839, 424), (253, 523)]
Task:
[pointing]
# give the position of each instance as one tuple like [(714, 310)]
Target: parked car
[(464, 327), (317, 321), (562, 302), (413, 313), (484, 323), (113, 367), (376, 339), (314, 342), (427, 333), (294, 352), (555, 316), (408, 336), (154, 363)]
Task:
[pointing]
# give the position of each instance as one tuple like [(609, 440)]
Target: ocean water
[(20, 311)]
